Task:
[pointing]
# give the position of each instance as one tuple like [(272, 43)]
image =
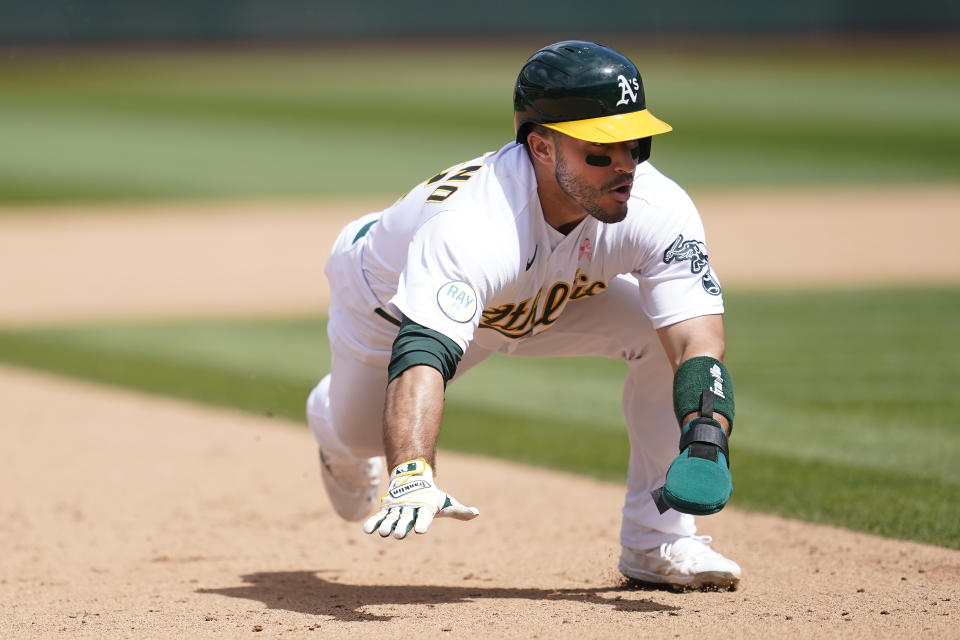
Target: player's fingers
[(424, 518), (374, 521), (404, 523), (388, 523)]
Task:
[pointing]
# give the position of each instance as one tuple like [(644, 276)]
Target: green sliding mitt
[(698, 480)]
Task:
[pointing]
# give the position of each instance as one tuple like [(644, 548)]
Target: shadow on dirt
[(306, 592)]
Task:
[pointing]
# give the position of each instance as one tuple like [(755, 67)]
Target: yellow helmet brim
[(616, 128)]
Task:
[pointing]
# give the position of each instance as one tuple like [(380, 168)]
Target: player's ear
[(542, 145)]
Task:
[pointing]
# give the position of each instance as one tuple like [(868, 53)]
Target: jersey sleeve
[(676, 280), (449, 273)]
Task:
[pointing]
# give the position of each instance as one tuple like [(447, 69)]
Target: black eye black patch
[(640, 153)]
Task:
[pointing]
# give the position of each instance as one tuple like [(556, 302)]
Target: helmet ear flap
[(641, 153)]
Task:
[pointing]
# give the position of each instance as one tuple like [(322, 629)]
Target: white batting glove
[(413, 501)]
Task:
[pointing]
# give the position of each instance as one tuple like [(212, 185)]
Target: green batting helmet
[(585, 90)]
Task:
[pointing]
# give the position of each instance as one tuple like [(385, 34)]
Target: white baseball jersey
[(468, 253)]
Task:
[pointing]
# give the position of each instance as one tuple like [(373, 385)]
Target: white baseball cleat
[(352, 484), (685, 562)]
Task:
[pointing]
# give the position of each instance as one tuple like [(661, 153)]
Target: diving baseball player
[(565, 242)]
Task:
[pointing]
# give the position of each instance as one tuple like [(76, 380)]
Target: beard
[(588, 196)]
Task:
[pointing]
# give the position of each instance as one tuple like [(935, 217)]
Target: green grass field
[(846, 402), (357, 121)]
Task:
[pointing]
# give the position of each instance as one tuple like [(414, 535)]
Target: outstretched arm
[(698, 481), (412, 415), (421, 363)]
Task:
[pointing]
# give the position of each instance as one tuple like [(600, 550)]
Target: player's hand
[(413, 501), (698, 480)]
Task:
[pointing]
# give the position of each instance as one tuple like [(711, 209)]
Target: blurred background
[(105, 100), (120, 121)]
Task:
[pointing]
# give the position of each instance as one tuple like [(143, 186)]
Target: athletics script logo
[(519, 319), (628, 89), (696, 252)]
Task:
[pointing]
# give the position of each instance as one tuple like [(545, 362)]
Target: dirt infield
[(129, 516)]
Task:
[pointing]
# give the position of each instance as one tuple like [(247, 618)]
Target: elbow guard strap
[(416, 344), (699, 374)]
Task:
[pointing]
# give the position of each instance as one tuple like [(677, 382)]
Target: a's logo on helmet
[(628, 89)]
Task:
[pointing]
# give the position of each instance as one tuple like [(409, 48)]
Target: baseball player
[(565, 242)]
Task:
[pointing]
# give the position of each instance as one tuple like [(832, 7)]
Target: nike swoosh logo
[(532, 258)]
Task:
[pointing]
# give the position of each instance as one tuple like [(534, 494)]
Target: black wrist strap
[(705, 436)]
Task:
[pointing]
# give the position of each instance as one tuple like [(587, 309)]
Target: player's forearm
[(716, 351), (412, 415), (700, 336)]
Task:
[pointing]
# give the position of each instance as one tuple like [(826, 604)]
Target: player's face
[(602, 191)]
